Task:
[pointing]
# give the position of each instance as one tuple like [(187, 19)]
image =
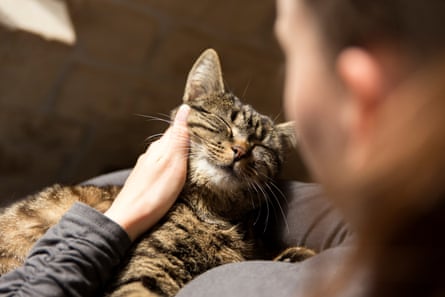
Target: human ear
[(362, 74), (363, 78)]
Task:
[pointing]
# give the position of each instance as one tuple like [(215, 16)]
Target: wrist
[(129, 223)]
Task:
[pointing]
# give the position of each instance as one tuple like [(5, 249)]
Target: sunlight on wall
[(47, 18)]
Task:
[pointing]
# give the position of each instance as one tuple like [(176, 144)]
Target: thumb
[(181, 115), (179, 133)]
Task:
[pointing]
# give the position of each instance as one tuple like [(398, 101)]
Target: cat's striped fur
[(235, 153)]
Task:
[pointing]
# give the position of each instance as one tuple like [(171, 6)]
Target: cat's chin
[(220, 177)]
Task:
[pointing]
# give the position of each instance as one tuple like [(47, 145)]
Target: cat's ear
[(286, 131), (205, 77)]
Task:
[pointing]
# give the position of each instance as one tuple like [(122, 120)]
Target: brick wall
[(68, 113)]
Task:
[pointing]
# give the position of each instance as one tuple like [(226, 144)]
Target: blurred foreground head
[(365, 85)]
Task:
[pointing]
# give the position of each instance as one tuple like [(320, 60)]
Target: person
[(365, 87)]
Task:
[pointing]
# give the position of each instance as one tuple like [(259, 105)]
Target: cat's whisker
[(273, 189), (254, 186), (277, 116), (279, 206), (153, 137), (266, 201), (246, 88), (215, 147), (153, 118), (251, 186), (253, 192), (258, 210), (272, 183), (167, 116), (269, 183)]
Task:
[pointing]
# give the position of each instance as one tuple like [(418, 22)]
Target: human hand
[(155, 182)]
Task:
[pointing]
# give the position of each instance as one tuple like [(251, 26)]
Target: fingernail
[(183, 111)]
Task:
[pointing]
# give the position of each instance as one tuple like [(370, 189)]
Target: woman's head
[(345, 58), (365, 84), (411, 25)]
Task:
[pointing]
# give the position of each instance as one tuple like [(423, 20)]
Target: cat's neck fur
[(211, 203)]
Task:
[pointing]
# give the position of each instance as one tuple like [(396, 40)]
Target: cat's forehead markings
[(238, 133)]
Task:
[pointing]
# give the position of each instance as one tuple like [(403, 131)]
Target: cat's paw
[(295, 254)]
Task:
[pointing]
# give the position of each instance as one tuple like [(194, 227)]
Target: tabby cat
[(235, 153)]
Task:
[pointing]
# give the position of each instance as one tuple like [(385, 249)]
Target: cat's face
[(232, 145)]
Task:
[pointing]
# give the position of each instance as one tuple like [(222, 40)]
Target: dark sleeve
[(74, 258), (301, 215)]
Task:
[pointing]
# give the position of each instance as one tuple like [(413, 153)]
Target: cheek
[(311, 100), (300, 95)]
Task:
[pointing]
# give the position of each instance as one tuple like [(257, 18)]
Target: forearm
[(74, 258)]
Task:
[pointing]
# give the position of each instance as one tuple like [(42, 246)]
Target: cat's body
[(235, 154), (184, 245)]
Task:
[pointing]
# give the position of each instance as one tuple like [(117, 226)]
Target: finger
[(179, 123), (175, 137), (166, 137), (179, 134), (161, 143), (181, 115)]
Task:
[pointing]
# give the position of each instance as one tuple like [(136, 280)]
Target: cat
[(235, 154)]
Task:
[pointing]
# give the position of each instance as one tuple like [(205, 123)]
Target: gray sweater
[(74, 258), (77, 256)]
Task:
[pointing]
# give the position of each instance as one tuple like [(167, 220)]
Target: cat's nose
[(238, 152)]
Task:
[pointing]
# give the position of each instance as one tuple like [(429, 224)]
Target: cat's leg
[(294, 254), (8, 263)]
